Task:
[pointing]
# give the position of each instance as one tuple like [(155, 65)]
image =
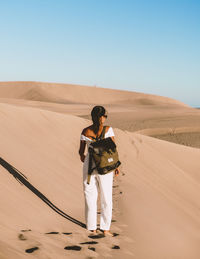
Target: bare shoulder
[(107, 128), (87, 131)]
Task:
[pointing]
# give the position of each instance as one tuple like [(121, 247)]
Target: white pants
[(105, 183)]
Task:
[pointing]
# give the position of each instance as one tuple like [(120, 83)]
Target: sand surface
[(156, 116), (156, 198)]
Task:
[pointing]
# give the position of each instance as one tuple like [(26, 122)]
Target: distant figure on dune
[(89, 136)]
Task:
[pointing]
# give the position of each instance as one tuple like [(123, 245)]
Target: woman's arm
[(82, 150)]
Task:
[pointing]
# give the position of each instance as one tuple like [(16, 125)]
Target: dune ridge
[(68, 93)]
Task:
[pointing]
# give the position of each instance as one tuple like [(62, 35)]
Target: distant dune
[(130, 111), (66, 93), (156, 197)]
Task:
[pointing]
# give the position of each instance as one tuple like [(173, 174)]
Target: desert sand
[(156, 198)]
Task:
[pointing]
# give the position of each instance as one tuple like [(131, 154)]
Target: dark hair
[(96, 113)]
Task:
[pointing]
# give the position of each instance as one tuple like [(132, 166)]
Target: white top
[(109, 133)]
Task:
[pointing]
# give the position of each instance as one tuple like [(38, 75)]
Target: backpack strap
[(102, 136)]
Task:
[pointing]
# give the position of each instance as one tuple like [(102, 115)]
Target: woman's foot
[(107, 233)]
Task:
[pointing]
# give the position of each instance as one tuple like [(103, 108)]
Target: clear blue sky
[(144, 46)]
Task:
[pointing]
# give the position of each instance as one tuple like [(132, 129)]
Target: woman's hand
[(117, 171), (82, 157)]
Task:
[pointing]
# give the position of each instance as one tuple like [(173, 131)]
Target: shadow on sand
[(21, 178)]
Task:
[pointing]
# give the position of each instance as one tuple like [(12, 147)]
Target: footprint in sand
[(115, 247), (31, 250), (115, 234), (102, 236), (25, 230), (89, 243), (115, 186), (22, 237), (56, 233), (92, 248), (96, 236), (52, 233), (75, 248)]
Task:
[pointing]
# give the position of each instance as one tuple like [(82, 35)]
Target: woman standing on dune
[(104, 181)]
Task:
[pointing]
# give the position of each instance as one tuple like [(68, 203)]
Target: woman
[(104, 182)]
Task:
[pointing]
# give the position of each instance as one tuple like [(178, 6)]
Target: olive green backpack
[(103, 152)]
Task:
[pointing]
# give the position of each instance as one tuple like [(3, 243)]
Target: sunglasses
[(105, 116)]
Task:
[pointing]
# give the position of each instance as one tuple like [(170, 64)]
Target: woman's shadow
[(20, 177)]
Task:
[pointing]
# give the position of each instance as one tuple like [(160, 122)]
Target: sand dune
[(128, 110), (156, 198), (156, 201), (162, 184), (66, 93)]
